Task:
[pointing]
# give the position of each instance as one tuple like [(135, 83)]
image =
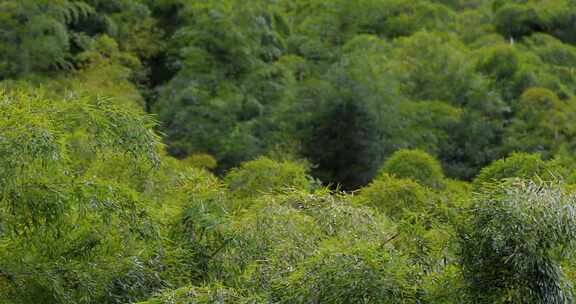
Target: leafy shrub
[(444, 287), (520, 165), (60, 222), (264, 243), (457, 190), (396, 197), (509, 68), (543, 122), (416, 165), (422, 233), (534, 101), (269, 240), (172, 185), (206, 161), (204, 295), (264, 175), (512, 246), (453, 199), (515, 20), (199, 211), (428, 245), (336, 216), (340, 274)]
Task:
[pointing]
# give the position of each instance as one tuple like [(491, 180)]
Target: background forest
[(287, 151)]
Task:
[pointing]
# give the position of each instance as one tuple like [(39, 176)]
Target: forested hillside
[(287, 151)]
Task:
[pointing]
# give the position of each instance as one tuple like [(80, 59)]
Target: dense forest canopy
[(287, 151)]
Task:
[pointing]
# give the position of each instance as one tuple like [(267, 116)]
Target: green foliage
[(542, 123), (420, 212), (337, 216), (59, 224), (444, 287), (521, 18), (322, 77), (228, 80), (513, 244), (515, 20), (287, 102), (379, 276), (355, 104), (397, 198), (206, 161), (344, 121), (456, 193), (273, 240), (416, 165), (264, 175), (343, 84), (557, 59), (426, 125), (203, 295), (265, 244), (39, 40), (195, 224), (508, 67), (519, 165), (436, 67), (45, 36)]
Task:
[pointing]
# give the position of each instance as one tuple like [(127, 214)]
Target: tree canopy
[(287, 151)]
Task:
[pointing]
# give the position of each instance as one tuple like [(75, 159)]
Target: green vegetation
[(395, 197), (513, 249), (416, 165), (264, 175), (519, 165), (287, 151)]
